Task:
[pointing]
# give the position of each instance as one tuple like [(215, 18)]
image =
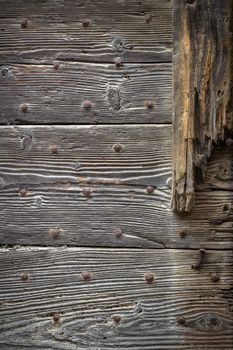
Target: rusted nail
[(180, 320), (149, 104), (149, 277), (198, 264), (215, 277), (24, 277), (118, 232), (148, 18), (24, 24), (56, 65), (116, 319), (87, 192), (56, 317), (24, 108), (54, 232), (87, 104), (23, 191), (85, 22), (85, 276), (150, 189), (118, 62), (117, 147), (53, 148), (182, 233)]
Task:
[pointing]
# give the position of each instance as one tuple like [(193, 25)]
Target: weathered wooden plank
[(112, 216), (202, 89), (68, 185), (42, 94), (86, 154), (38, 282), (138, 31)]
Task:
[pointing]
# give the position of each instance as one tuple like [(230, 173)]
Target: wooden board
[(56, 96), (55, 31), (148, 312), (71, 179)]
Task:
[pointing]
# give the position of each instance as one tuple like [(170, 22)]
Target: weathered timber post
[(202, 90)]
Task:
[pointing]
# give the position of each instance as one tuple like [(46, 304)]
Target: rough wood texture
[(56, 96), (202, 90), (138, 31), (67, 185), (148, 311)]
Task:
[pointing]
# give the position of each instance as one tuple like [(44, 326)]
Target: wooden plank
[(41, 94), (138, 31), (202, 90), (67, 185), (113, 216), (149, 313), (86, 154)]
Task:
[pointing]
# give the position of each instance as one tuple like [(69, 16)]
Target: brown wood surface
[(55, 31), (56, 96), (202, 90), (149, 312)]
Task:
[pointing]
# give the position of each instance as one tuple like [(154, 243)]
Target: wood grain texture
[(56, 96), (116, 28), (148, 312), (202, 90), (67, 185)]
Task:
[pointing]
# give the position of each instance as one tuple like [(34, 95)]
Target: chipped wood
[(202, 90)]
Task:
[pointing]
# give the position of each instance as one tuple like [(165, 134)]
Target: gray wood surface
[(56, 96), (149, 313), (70, 180), (55, 31)]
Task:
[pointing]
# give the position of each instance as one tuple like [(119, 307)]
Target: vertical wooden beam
[(202, 90)]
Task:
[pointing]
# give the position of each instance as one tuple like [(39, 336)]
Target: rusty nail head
[(116, 319), (56, 65), (53, 148), (149, 277), (24, 108), (87, 104), (118, 62), (181, 320), (85, 22), (56, 317), (150, 189), (149, 104), (24, 277), (23, 191), (118, 232), (54, 232), (87, 192), (118, 147), (182, 233), (215, 277), (24, 24), (85, 276), (148, 18)]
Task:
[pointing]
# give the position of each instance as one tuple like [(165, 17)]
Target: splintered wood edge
[(202, 91)]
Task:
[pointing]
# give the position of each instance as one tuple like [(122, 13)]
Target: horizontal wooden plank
[(67, 185), (37, 282), (138, 31), (86, 154), (57, 96)]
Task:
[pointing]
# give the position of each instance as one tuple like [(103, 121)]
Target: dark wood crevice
[(203, 109)]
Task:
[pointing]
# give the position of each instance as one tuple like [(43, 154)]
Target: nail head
[(85, 276), (24, 277), (149, 277)]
